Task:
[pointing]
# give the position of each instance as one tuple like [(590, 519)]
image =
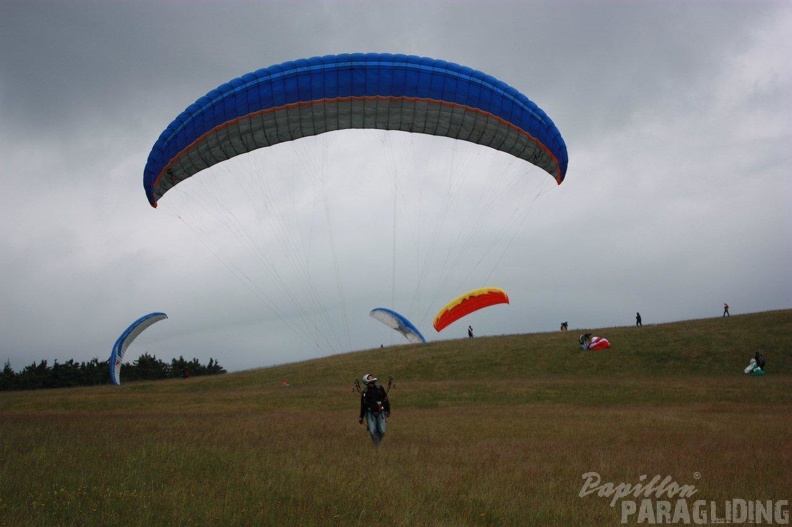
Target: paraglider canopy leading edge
[(365, 91)]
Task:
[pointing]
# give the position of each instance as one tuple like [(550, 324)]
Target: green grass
[(484, 431)]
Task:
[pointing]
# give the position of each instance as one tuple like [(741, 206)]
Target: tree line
[(70, 373)]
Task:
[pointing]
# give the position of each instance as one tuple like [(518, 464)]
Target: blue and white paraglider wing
[(398, 322), (312, 96), (136, 328)]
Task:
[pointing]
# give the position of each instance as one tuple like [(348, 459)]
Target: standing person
[(470, 331), (726, 310), (638, 320), (374, 407)]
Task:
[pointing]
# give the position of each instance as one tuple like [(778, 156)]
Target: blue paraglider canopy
[(126, 338), (398, 322), (365, 91)]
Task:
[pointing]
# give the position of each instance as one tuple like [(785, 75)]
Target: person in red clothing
[(726, 310)]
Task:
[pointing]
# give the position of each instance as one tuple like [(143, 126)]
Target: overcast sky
[(677, 117)]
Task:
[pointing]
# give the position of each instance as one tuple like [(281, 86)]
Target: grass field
[(484, 431)]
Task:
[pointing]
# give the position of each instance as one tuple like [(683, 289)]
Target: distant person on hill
[(759, 358), (757, 364), (584, 340), (564, 326), (470, 332), (638, 320), (726, 310), (374, 407)]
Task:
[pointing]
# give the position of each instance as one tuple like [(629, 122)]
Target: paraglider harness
[(584, 340), (375, 406)]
